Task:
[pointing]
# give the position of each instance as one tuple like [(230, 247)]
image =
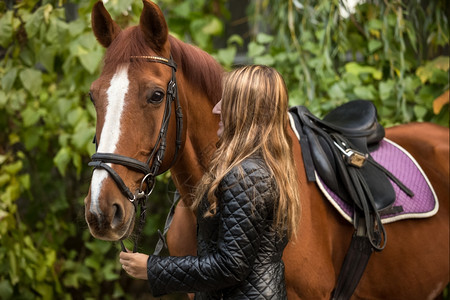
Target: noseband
[(101, 160)]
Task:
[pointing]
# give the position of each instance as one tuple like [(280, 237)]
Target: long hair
[(255, 117)]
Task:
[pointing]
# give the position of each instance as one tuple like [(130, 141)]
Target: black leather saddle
[(337, 148)]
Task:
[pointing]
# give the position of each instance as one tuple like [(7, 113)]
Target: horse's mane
[(200, 68)]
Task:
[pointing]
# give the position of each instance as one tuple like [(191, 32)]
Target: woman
[(247, 203)]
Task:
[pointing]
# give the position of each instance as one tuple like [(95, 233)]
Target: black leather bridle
[(101, 160)]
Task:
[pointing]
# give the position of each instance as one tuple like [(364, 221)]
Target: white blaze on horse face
[(111, 130)]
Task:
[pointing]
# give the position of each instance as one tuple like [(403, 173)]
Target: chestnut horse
[(129, 98)]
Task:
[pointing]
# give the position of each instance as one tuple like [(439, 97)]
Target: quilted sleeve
[(244, 205)]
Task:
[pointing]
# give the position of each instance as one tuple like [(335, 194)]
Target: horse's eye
[(156, 97)]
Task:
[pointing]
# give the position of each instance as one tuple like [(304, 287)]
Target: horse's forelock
[(130, 42)]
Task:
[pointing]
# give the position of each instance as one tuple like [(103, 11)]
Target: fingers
[(126, 255), (135, 264)]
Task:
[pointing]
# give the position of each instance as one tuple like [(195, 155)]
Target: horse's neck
[(199, 145), (199, 88)]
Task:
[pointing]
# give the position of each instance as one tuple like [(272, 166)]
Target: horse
[(131, 99)]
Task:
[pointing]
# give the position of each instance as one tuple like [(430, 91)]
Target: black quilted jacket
[(239, 254)]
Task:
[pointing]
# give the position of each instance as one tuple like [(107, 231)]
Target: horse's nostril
[(117, 216)]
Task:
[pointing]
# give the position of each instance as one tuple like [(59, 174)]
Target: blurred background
[(394, 53)]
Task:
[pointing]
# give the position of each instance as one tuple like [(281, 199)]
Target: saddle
[(336, 149), (341, 141)]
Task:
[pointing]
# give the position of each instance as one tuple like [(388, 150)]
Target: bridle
[(101, 160)]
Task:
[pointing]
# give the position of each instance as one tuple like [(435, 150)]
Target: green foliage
[(48, 123), (386, 53)]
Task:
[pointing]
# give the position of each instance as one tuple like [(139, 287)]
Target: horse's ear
[(153, 25), (105, 29)]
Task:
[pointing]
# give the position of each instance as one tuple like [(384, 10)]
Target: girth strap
[(354, 264)]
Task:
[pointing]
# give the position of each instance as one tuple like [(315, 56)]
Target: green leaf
[(183, 9), (77, 162), (6, 29), (76, 27), (235, 39), (255, 50), (266, 59), (357, 69), (28, 56), (426, 71), (336, 92), (91, 60), (30, 116), (8, 79), (364, 92), (411, 84), (3, 99), (200, 36), (13, 268), (50, 257), (45, 290), (439, 77), (4, 179), (93, 262), (32, 136), (13, 168), (83, 135), (86, 41), (75, 115), (63, 107), (34, 23), (57, 30), (420, 112), (375, 24), (17, 100), (71, 280), (374, 45), (386, 88), (98, 246), (213, 27), (226, 56), (351, 79), (263, 38), (47, 57), (25, 181), (441, 62), (109, 272), (62, 159), (6, 290), (31, 80)]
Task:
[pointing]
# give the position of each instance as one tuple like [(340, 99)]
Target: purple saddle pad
[(402, 165)]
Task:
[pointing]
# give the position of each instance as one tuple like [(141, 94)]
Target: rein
[(102, 160)]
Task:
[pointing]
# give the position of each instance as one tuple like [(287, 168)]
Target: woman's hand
[(135, 264)]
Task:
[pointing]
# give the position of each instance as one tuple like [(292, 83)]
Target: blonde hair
[(255, 117)]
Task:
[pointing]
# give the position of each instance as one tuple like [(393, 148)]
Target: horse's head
[(135, 101)]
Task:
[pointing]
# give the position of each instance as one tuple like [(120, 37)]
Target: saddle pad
[(402, 165)]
